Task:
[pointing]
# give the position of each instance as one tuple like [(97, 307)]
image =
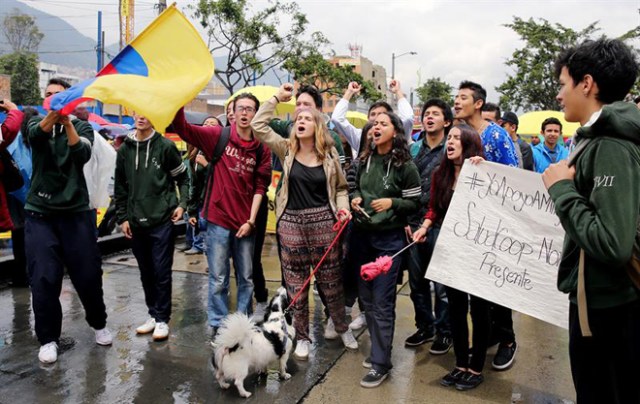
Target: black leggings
[(459, 303)]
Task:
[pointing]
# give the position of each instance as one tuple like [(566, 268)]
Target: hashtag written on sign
[(474, 182)]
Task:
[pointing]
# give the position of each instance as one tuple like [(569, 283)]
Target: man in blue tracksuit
[(549, 152)]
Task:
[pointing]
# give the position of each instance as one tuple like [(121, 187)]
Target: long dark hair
[(365, 142), (444, 176), (28, 113), (399, 150)]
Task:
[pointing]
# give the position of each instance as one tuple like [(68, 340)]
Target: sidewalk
[(137, 370)]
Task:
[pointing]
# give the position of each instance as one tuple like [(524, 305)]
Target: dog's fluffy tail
[(234, 330)]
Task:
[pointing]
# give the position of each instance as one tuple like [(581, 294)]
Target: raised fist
[(285, 92)]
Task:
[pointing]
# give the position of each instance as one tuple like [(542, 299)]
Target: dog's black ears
[(288, 318)]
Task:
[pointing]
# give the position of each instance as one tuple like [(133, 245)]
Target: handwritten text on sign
[(502, 241)]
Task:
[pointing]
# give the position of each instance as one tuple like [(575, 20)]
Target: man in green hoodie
[(60, 227), (148, 167), (597, 198)]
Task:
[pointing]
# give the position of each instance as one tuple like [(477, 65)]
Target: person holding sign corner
[(597, 198), (463, 143)]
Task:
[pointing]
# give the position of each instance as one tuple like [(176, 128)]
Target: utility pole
[(100, 56), (100, 44)]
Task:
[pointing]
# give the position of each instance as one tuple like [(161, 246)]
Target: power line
[(60, 52), (62, 16), (59, 2)]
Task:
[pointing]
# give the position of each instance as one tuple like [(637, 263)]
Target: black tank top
[(307, 187)]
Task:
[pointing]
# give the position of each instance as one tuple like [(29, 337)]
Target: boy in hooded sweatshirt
[(234, 192), (60, 228), (148, 168), (597, 198)]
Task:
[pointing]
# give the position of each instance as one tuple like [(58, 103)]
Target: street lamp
[(393, 62)]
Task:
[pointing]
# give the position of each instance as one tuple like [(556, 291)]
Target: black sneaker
[(441, 345), (452, 377), (367, 362), (469, 381), (373, 379), (418, 338), (505, 356)]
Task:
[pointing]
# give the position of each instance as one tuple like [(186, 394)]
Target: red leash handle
[(339, 226)]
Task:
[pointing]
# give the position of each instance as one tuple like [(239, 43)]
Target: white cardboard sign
[(502, 241)]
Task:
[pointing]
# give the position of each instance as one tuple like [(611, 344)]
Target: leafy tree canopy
[(436, 88), (533, 85), (21, 31), (255, 41), (23, 69), (315, 69)]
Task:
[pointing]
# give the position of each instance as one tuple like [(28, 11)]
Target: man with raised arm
[(353, 134)]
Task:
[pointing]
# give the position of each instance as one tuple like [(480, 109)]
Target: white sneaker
[(349, 340), (48, 353), (358, 323), (330, 330), (103, 337), (258, 315), (161, 332), (147, 327), (302, 350)]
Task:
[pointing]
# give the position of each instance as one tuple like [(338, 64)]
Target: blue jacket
[(542, 158)]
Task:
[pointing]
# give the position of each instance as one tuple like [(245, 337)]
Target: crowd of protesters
[(386, 189)]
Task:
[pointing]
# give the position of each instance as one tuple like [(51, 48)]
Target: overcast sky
[(455, 39)]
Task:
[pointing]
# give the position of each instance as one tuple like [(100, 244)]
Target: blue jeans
[(418, 259), (221, 245), (194, 236), (379, 295)]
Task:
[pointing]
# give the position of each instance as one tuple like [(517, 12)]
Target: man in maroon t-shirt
[(239, 182)]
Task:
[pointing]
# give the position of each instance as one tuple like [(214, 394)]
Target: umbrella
[(196, 118), (263, 93), (531, 122), (357, 119)]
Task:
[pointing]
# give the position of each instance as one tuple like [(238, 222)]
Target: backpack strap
[(583, 317), (223, 140), (573, 156)]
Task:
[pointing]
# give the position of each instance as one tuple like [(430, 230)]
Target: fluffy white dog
[(242, 347)]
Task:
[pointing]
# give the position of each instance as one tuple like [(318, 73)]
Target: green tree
[(315, 69), (21, 31), (533, 85), (23, 69), (435, 88), (255, 42)]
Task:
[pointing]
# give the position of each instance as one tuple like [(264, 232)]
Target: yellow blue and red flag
[(161, 70)]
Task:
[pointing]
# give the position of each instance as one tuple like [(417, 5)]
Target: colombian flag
[(161, 70)]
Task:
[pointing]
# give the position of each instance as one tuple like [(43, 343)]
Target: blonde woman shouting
[(312, 198)]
